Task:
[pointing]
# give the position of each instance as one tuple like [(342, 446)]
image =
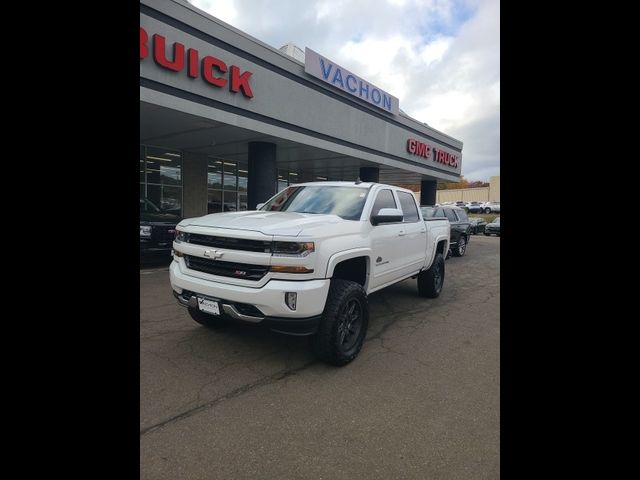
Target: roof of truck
[(348, 184), (335, 184)]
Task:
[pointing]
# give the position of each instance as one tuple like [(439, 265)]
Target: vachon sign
[(213, 70), (421, 149)]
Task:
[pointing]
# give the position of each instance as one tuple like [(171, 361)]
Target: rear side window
[(383, 200), (433, 213), (451, 215), (408, 205)]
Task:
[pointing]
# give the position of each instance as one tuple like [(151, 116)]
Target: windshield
[(345, 202)]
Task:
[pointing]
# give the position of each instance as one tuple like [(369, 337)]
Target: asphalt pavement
[(421, 401)]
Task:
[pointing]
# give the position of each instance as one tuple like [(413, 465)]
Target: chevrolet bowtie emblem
[(213, 253)]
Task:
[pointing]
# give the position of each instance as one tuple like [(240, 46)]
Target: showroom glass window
[(286, 178), (226, 185), (161, 178)]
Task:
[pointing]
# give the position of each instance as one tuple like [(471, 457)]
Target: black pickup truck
[(460, 226), (157, 229)]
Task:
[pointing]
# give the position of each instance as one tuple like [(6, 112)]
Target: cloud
[(440, 58)]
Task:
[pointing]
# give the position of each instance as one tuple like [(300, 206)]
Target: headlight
[(181, 236), (145, 231), (295, 249)]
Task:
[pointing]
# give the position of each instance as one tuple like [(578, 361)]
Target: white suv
[(491, 207)]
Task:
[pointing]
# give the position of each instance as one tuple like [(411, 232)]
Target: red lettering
[(419, 148), (159, 54), (192, 69), (240, 82), (144, 38), (441, 156), (212, 69), (208, 63)]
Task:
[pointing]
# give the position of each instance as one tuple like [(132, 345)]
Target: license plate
[(208, 306)]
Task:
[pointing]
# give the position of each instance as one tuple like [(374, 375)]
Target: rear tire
[(209, 321), (344, 323), (487, 210), (430, 281), (461, 247)]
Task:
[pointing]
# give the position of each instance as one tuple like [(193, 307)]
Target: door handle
[(422, 231), (402, 233)]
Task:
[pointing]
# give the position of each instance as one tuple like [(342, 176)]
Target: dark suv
[(460, 225), (157, 228)]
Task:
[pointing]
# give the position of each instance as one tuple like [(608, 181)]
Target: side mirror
[(387, 215), (259, 206)]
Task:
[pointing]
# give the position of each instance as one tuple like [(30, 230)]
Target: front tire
[(344, 323), (207, 320), (461, 247), (430, 281)]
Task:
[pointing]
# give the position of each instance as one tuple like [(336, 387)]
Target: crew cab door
[(387, 263), (413, 235)]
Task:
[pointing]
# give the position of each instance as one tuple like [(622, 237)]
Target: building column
[(194, 181), (263, 172), (370, 174), (428, 192)]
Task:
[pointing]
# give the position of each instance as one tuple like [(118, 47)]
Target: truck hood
[(269, 223)]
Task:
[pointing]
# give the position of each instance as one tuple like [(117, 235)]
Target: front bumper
[(233, 311), (268, 299)]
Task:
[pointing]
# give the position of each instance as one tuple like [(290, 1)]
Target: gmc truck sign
[(214, 71), (421, 149)]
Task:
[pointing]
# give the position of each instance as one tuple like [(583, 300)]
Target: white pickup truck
[(305, 261)]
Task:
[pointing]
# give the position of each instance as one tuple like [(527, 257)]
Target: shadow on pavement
[(155, 261)]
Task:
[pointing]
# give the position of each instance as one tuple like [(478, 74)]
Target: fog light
[(291, 298)]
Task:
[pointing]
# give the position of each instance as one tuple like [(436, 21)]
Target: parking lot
[(421, 401)]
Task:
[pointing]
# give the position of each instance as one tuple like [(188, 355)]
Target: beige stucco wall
[(465, 194), (494, 186), (482, 194)]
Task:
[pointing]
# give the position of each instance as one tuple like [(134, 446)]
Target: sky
[(441, 58)]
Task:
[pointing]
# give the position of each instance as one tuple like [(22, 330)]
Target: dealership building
[(226, 121)]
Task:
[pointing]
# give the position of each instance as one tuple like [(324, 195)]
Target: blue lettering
[(366, 89), (373, 96), (338, 77), (386, 102), (325, 73), (351, 77)]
